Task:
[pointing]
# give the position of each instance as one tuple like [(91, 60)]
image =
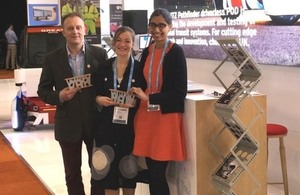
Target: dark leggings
[(158, 184)]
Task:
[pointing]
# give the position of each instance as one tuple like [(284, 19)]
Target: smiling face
[(123, 43), (74, 31), (159, 26)]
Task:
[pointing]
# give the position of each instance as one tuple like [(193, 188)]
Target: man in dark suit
[(75, 106)]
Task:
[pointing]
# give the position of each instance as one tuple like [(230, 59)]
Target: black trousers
[(72, 158), (158, 184)]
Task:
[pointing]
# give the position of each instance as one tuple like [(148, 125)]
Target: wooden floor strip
[(6, 74), (16, 175)]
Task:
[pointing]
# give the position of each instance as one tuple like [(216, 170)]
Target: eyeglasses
[(160, 26)]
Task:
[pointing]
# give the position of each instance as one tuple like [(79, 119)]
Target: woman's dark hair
[(164, 13), (121, 30)]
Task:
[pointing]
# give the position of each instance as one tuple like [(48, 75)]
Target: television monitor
[(144, 41), (38, 13), (47, 13), (36, 42)]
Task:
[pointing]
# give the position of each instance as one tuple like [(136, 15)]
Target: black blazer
[(78, 114), (174, 84)]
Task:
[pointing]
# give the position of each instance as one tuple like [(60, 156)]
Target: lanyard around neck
[(159, 66), (130, 75)]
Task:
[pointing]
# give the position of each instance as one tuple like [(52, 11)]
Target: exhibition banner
[(271, 38), (51, 12)]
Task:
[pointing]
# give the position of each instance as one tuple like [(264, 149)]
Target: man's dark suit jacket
[(78, 114)]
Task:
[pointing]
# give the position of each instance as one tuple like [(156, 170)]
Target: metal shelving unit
[(247, 75)]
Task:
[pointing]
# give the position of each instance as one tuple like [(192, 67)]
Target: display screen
[(40, 45), (38, 13), (268, 29), (42, 13), (36, 42)]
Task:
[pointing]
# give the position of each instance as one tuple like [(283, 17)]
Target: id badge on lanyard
[(120, 115), (155, 107)]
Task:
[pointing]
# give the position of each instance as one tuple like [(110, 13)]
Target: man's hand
[(68, 93)]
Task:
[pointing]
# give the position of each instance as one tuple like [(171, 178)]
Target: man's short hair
[(71, 15)]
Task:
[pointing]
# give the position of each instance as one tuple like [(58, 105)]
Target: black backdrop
[(11, 12)]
